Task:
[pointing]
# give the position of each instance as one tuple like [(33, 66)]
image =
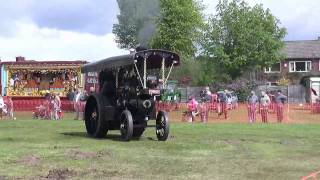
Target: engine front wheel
[(126, 125), (162, 126)]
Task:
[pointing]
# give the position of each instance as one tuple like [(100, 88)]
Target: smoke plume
[(144, 14)]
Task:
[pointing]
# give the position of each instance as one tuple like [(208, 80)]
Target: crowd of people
[(264, 104), (50, 107), (221, 102)]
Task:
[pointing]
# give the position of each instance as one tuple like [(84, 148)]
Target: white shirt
[(11, 81), (77, 99)]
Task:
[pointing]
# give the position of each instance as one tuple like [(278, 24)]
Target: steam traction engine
[(129, 86)]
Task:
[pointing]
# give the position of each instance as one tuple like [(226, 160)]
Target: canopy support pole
[(169, 72), (135, 65), (145, 73)]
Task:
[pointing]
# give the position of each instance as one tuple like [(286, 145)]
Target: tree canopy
[(167, 24), (240, 38), (178, 28)]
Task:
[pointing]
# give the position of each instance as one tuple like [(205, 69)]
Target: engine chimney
[(20, 59)]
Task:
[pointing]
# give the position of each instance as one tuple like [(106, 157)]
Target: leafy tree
[(179, 26), (240, 38)]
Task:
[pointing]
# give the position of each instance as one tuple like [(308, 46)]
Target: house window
[(276, 68), (300, 66)]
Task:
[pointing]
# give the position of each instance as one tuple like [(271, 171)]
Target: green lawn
[(39, 149)]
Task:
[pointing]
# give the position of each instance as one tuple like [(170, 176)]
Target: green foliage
[(179, 27), (240, 38)]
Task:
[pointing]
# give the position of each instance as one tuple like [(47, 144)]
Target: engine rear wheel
[(162, 126), (126, 125), (95, 122)]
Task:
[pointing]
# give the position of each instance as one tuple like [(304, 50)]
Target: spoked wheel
[(95, 117), (162, 126), (126, 125)]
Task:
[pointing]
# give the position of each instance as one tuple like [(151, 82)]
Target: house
[(301, 69)]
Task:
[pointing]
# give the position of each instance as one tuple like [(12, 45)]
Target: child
[(192, 109), (203, 112)]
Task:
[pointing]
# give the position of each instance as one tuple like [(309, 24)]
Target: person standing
[(10, 108), (1, 106), (223, 100), (76, 104), (203, 109), (252, 102), (264, 105), (56, 106), (280, 99)]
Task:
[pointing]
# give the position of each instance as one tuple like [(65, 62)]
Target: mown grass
[(40, 149)]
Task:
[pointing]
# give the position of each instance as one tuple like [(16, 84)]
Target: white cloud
[(37, 43)]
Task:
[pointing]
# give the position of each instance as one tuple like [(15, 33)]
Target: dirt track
[(297, 114)]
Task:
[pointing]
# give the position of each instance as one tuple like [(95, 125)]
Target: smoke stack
[(140, 48), (318, 38), (20, 59)]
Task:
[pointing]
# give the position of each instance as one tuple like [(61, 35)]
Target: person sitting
[(192, 109)]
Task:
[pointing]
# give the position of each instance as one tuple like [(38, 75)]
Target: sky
[(82, 29)]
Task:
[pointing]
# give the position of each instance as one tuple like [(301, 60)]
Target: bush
[(242, 87)]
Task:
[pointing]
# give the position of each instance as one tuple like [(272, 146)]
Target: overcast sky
[(81, 29)]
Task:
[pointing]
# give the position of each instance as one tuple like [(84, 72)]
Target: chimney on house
[(20, 59)]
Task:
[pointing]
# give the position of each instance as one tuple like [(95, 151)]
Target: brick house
[(300, 68)]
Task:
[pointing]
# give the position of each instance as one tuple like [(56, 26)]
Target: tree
[(240, 38), (136, 22), (178, 28)]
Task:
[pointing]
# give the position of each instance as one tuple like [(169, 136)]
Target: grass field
[(40, 149)]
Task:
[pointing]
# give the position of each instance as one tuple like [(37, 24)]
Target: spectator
[(71, 94), (280, 99), (56, 106), (192, 109), (265, 103), (222, 99), (1, 106), (92, 90), (205, 94), (10, 108), (77, 104), (203, 109), (252, 102)]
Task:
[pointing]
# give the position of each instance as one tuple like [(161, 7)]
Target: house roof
[(302, 49)]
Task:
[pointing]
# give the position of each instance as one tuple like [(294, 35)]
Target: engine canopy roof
[(153, 56)]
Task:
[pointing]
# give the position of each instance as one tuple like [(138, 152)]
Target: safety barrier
[(30, 105), (312, 176)]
